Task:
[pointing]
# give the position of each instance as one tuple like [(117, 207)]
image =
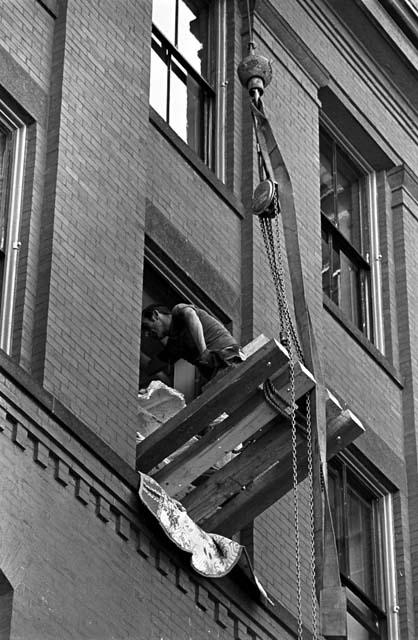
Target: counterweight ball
[(255, 73)]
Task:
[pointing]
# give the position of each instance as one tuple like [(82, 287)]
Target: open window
[(158, 290), (168, 287)]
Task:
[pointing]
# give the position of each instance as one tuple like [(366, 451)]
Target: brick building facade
[(127, 177)]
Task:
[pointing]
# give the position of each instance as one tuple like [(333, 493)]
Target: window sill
[(364, 343), (196, 163)]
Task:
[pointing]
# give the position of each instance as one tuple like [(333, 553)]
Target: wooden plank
[(236, 475), (333, 406), (219, 440), (225, 436), (255, 345), (224, 394), (276, 481)]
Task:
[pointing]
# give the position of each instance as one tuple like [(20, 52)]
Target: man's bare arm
[(195, 327)]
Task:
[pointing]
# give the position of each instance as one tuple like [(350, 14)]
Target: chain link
[(311, 515), (289, 338), (296, 497)]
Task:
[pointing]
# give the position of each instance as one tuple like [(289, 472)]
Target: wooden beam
[(215, 444), (256, 457), (220, 439), (225, 394), (276, 481)]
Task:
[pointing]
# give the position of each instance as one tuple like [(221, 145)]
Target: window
[(362, 514), (350, 271), (158, 290), (185, 39), (164, 283), (12, 155)]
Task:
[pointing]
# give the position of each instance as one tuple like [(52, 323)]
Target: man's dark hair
[(148, 311)]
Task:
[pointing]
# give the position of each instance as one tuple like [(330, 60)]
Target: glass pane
[(360, 543), (336, 504), (192, 37), (356, 631), (164, 17), (349, 289), (5, 169), (178, 101), (158, 82), (186, 108), (349, 200), (335, 277), (326, 265), (326, 182), (195, 119)]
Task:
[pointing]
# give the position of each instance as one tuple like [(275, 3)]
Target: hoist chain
[(289, 321), (266, 230), (296, 498), (289, 338), (309, 446)]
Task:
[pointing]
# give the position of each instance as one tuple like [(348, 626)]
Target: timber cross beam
[(223, 491)]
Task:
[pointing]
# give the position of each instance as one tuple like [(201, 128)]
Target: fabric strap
[(328, 575)]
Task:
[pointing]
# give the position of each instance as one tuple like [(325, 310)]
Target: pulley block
[(263, 203)]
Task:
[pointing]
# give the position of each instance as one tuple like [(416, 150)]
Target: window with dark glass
[(345, 197), (358, 521), (183, 71)]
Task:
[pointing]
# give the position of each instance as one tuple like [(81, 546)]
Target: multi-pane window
[(363, 533), (12, 154), (346, 211), (183, 70)]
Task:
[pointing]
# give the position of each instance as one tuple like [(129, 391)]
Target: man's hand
[(206, 357)]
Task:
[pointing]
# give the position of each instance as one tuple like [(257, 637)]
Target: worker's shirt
[(180, 343)]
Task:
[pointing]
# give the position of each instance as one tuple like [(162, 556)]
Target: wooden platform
[(223, 497)]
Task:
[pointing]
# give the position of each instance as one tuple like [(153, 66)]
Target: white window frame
[(218, 87), (374, 258), (384, 505), (18, 130)]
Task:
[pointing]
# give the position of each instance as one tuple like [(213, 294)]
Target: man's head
[(156, 321)]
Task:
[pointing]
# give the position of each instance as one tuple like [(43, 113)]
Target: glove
[(205, 358)]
